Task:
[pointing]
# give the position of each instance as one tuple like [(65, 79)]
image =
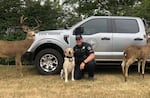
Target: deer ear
[(25, 28), (146, 36), (36, 31)]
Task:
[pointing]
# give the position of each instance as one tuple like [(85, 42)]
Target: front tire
[(48, 61)]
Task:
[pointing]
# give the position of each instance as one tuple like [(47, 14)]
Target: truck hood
[(51, 32)]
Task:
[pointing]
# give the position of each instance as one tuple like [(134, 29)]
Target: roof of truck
[(125, 17)]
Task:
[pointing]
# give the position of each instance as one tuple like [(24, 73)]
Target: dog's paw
[(66, 81)]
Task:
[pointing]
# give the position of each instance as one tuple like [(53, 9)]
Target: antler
[(25, 28), (22, 19), (38, 23)]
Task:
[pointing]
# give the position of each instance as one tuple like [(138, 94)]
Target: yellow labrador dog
[(69, 64)]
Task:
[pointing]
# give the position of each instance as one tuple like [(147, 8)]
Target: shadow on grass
[(115, 69)]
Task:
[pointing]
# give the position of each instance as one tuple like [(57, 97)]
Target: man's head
[(79, 40)]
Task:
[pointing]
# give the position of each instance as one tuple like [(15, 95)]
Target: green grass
[(106, 85)]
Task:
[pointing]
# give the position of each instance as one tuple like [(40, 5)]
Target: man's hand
[(82, 65)]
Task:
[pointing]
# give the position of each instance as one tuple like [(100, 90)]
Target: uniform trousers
[(89, 67)]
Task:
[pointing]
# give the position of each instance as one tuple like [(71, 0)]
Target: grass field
[(107, 84)]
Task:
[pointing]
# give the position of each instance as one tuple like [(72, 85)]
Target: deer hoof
[(143, 76), (21, 75), (139, 73)]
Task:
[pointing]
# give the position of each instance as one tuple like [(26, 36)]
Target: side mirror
[(66, 26), (79, 31)]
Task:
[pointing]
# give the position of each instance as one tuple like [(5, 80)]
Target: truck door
[(126, 32), (97, 33)]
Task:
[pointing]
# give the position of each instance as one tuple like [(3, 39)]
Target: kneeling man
[(84, 59)]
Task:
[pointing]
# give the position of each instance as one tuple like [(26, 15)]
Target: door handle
[(138, 39), (105, 38)]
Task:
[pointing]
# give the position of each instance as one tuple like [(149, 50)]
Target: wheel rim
[(48, 62)]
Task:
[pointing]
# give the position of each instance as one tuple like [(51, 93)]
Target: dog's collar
[(70, 58)]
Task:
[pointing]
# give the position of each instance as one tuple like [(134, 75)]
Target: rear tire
[(48, 61)]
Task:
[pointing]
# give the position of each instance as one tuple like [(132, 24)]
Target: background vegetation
[(54, 14)]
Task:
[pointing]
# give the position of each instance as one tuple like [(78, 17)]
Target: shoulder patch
[(89, 48), (83, 47)]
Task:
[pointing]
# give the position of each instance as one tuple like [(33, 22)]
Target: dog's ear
[(73, 52), (65, 52)]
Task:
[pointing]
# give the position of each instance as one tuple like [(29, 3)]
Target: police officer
[(84, 59)]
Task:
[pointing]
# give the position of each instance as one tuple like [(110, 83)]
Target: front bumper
[(28, 56)]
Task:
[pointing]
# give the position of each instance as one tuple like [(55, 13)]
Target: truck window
[(95, 26), (126, 26)]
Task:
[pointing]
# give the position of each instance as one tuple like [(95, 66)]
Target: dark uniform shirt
[(82, 52)]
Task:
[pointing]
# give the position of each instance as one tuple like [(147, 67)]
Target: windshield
[(70, 25)]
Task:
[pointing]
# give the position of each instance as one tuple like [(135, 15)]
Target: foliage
[(48, 14), (142, 10), (10, 11), (102, 7)]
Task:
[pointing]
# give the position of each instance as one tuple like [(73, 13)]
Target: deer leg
[(139, 65), (126, 72), (129, 62), (19, 65), (123, 66), (143, 68)]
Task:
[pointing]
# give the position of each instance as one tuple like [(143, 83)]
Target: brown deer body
[(16, 49), (133, 53)]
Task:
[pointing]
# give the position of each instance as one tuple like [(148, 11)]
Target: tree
[(48, 13), (142, 9), (102, 7), (10, 13)]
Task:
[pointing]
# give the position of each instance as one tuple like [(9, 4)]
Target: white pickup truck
[(109, 36)]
